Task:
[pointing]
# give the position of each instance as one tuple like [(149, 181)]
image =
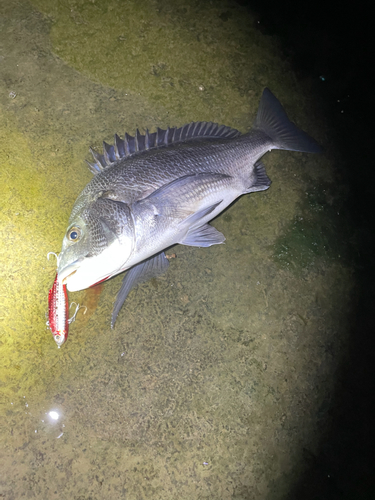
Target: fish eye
[(74, 234)]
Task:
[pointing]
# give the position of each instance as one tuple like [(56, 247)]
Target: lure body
[(58, 312)]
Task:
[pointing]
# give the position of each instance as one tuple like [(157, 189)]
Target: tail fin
[(273, 120)]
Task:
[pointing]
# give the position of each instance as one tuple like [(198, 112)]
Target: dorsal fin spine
[(105, 153), (161, 138), (119, 147), (166, 136), (147, 139), (126, 145)]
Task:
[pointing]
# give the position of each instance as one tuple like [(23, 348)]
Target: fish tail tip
[(273, 120)]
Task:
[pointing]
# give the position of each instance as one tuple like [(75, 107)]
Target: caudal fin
[(272, 119)]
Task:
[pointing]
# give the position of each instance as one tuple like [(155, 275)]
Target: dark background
[(331, 44)]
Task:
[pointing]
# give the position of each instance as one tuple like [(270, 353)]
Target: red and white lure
[(58, 310)]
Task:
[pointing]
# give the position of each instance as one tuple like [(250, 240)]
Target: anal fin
[(261, 181)]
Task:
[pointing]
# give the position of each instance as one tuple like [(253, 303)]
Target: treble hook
[(57, 257), (75, 313)]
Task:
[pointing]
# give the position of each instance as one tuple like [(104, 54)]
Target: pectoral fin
[(150, 268), (179, 198)]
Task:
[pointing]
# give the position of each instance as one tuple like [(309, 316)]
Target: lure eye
[(74, 234)]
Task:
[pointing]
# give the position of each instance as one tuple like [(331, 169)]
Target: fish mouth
[(67, 271), (87, 270), (66, 277), (81, 274)]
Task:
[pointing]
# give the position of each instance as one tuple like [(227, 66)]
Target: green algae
[(317, 232), (163, 50)]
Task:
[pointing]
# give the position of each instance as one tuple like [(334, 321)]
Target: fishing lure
[(58, 310)]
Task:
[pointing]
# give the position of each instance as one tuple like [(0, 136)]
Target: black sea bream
[(155, 190)]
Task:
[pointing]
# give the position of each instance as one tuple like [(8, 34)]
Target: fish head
[(98, 242)]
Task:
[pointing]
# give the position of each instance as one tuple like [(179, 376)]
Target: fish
[(154, 190)]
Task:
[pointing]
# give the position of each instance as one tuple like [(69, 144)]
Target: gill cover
[(98, 242)]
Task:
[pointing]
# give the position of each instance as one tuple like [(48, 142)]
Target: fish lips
[(66, 272), (86, 271), (78, 275)]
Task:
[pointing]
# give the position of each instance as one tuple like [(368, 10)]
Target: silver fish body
[(155, 190)]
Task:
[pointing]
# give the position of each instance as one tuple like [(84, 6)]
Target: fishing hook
[(57, 257)]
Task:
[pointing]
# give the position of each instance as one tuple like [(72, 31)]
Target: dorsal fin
[(130, 146)]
